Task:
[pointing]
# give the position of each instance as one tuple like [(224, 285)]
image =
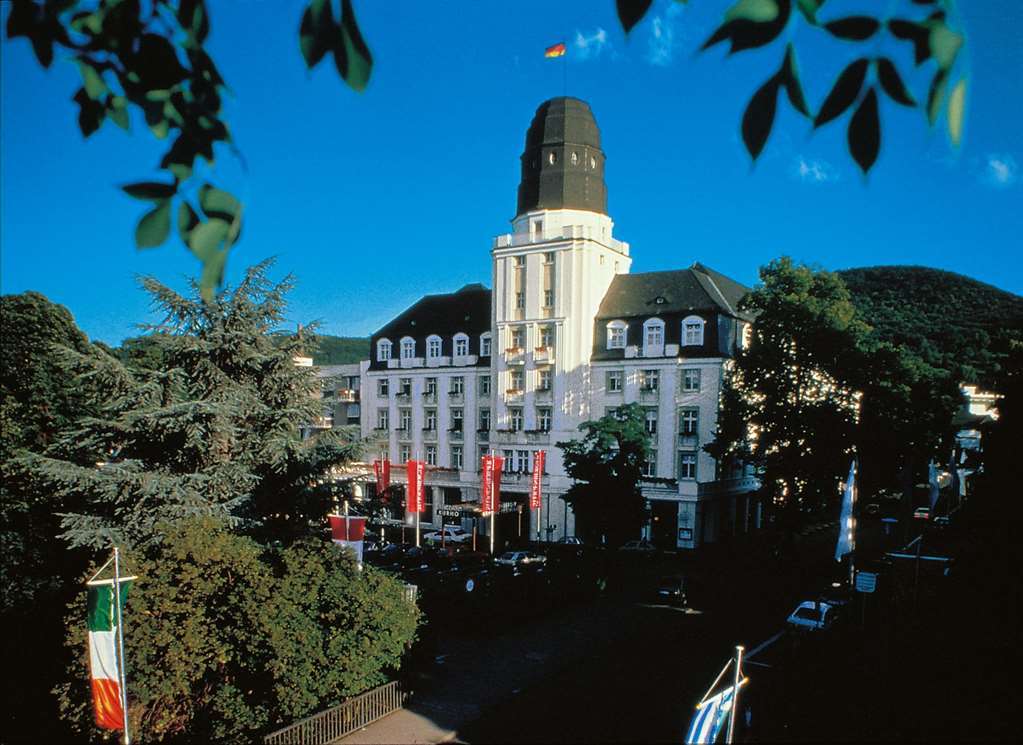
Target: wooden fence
[(343, 719)]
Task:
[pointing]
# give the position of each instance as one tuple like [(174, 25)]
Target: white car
[(515, 558), (447, 535), (813, 616)]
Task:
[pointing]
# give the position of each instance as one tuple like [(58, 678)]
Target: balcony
[(513, 395), (537, 436), (507, 436), (649, 395), (429, 434), (688, 440), (404, 396), (543, 355), (483, 435), (542, 395), (430, 397), (404, 434), (347, 395), (515, 356), (455, 435), (456, 397)]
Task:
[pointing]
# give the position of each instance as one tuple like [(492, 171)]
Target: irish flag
[(104, 660)]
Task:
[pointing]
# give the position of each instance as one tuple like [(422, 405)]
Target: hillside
[(340, 350), (951, 321)]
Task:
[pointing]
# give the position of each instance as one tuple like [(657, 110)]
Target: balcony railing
[(542, 394), (483, 435), (456, 397), (429, 434), (513, 394), (404, 434), (688, 439), (455, 435), (430, 397), (649, 394), (543, 355), (515, 356), (537, 436)]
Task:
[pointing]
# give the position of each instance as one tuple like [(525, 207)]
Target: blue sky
[(373, 200)]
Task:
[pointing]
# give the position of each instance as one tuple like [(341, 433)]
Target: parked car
[(672, 589), (813, 616), (517, 558), (639, 547), (570, 540), (447, 535), (942, 522), (922, 513)]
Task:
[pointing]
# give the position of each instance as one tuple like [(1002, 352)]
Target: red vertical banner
[(414, 500), (486, 485), (382, 471), (536, 484), (497, 463)]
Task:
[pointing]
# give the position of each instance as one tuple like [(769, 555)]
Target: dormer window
[(616, 334), (383, 350), (433, 347), (653, 334), (692, 331), (486, 342), (408, 348), (461, 345)]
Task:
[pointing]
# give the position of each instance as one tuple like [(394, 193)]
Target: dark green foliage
[(951, 322), (338, 350), (606, 465), (226, 639)]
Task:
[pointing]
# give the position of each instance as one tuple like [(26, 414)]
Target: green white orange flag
[(558, 50), (107, 696)]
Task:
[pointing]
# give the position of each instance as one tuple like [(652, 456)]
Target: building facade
[(566, 335)]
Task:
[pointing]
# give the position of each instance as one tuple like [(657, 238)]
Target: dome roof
[(562, 164)]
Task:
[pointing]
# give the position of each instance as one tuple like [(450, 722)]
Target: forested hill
[(340, 350), (951, 321)]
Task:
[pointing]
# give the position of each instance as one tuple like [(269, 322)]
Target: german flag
[(558, 50)]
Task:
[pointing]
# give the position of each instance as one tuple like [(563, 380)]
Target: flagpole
[(735, 692), (120, 644)]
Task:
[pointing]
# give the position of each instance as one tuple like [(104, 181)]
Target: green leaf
[(118, 114), (790, 78), (891, 82), (945, 44), (205, 239), (212, 274), (160, 129), (352, 57), (631, 12), (758, 11), (92, 81), (856, 28), (758, 118), (809, 9), (936, 96), (864, 133), (154, 227), (316, 32), (847, 87), (180, 171), (218, 203), (187, 220), (956, 109), (153, 191)]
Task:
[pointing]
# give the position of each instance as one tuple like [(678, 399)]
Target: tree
[(215, 432), (789, 401), (606, 464)]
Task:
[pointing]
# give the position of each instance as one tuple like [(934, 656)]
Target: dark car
[(671, 589)]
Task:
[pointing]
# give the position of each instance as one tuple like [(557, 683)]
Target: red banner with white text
[(535, 486), (486, 485), (382, 471), (416, 472), (497, 464)]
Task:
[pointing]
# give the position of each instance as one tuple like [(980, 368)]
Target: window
[(521, 461), (515, 418), (548, 258), (543, 382), (485, 382), (687, 466), (403, 454), (429, 419), (616, 334), (692, 331), (405, 387), (485, 344), (575, 157), (543, 419), (461, 345), (383, 387), (383, 419), (689, 422), (383, 350), (404, 419), (430, 387), (615, 381), (548, 298), (509, 460), (649, 380), (518, 337), (546, 336), (408, 348), (433, 347), (483, 450), (651, 421), (457, 418), (650, 464), (456, 457), (691, 379), (521, 260), (484, 420), (537, 228), (431, 455), (520, 300), (517, 378), (458, 385), (653, 334)]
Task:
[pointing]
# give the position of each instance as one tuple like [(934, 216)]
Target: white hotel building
[(566, 335)]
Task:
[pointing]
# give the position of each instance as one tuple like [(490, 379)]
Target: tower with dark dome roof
[(562, 163)]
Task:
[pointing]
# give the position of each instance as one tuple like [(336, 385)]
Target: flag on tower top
[(558, 50)]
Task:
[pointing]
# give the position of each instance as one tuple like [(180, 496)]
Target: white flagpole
[(120, 644), (735, 692)]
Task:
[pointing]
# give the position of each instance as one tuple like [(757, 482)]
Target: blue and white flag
[(932, 482), (846, 538), (709, 718)]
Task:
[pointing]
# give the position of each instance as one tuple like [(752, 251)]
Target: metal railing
[(343, 719)]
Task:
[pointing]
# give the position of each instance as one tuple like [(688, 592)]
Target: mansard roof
[(466, 310), (697, 288)]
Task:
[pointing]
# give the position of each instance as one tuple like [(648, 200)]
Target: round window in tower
[(552, 157)]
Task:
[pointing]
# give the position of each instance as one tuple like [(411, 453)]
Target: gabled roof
[(466, 310), (675, 291)]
